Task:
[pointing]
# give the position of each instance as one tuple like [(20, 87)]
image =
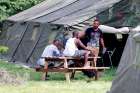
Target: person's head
[(96, 23), (56, 42), (75, 34)]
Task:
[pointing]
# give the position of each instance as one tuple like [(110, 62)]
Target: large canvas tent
[(28, 32), (23, 31), (71, 14)]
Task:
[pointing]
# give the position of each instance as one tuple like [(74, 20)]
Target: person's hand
[(89, 49), (104, 50)]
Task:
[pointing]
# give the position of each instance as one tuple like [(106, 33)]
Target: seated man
[(71, 48), (50, 51)]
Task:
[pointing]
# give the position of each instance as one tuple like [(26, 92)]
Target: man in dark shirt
[(94, 37)]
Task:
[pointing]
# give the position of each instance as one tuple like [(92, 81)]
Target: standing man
[(94, 37)]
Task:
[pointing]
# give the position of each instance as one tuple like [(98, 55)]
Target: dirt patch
[(13, 79)]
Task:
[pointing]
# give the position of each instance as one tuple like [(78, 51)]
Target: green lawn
[(58, 87), (57, 83)]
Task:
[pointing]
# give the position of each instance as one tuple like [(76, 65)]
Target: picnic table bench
[(66, 69)]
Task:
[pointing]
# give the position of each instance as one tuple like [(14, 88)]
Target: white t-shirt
[(70, 47), (49, 51)]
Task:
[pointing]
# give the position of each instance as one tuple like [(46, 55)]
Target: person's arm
[(101, 39), (102, 42), (103, 45), (79, 43)]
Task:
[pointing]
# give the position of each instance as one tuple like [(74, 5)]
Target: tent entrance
[(116, 44)]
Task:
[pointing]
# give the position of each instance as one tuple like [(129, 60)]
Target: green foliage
[(11, 7), (3, 49)]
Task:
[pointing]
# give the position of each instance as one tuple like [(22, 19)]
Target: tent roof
[(67, 12), (79, 14)]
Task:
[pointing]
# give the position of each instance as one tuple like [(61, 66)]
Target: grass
[(16, 69), (58, 87), (56, 83)]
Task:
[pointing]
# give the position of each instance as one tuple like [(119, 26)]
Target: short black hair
[(55, 40), (96, 20)]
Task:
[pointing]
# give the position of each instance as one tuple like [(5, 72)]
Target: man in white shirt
[(71, 48), (50, 51)]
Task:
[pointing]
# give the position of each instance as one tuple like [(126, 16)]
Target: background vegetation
[(11, 7)]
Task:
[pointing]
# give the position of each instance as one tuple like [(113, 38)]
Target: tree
[(11, 7)]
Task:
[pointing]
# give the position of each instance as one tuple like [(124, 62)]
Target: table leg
[(45, 72), (67, 74), (96, 74)]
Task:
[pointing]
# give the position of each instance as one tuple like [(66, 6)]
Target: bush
[(3, 49)]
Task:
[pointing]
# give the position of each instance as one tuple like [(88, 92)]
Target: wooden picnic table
[(65, 68)]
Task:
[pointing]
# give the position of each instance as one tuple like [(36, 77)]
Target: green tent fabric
[(80, 13), (27, 40)]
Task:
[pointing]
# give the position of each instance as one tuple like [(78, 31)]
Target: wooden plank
[(81, 57), (68, 69), (54, 58), (52, 70), (63, 70), (82, 68), (61, 59), (67, 76), (68, 58), (42, 70)]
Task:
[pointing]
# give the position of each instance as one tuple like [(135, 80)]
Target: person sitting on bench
[(71, 48), (50, 51)]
